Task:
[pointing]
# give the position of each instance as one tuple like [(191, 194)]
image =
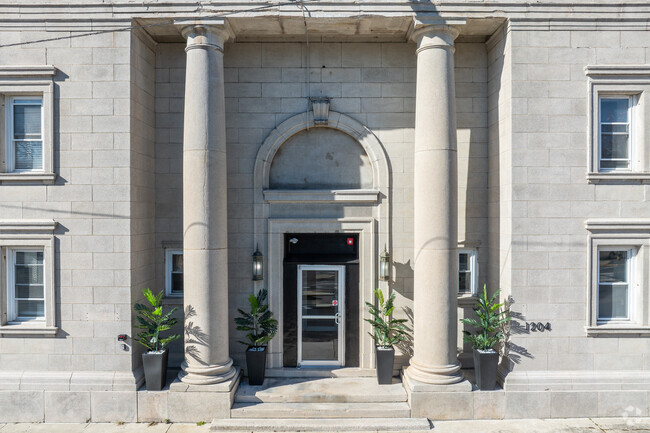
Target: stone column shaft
[(205, 216), (435, 359)]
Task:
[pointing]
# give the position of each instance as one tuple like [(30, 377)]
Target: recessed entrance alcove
[(319, 179)]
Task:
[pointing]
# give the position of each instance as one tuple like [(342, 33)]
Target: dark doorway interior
[(321, 249)]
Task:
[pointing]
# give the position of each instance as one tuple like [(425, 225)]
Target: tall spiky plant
[(386, 331), (259, 324), (154, 321), (488, 323)]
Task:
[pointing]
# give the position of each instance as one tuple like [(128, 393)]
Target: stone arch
[(338, 121)]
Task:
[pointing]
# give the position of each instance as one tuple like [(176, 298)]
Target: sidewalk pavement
[(575, 425)]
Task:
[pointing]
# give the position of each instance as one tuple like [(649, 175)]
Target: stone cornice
[(44, 9)]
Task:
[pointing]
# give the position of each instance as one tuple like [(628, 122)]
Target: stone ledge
[(618, 178), (21, 329), (577, 381), (639, 331), (27, 71), (44, 178), (322, 196), (68, 381), (27, 225)]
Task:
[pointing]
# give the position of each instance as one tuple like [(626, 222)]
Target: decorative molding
[(613, 70), (27, 225), (320, 108), (610, 330), (322, 196), (618, 225), (30, 71)]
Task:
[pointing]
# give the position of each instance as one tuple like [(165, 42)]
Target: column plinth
[(205, 216), (435, 360)]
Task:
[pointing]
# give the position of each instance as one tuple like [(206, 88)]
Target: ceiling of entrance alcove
[(320, 158)]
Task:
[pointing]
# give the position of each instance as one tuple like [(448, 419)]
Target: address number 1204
[(538, 326)]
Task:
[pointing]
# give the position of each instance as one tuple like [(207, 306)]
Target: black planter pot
[(385, 359), (155, 369), (256, 365), (485, 368)]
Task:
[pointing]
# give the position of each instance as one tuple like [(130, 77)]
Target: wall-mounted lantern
[(384, 265), (258, 265)]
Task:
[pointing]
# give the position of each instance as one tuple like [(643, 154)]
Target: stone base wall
[(195, 406)]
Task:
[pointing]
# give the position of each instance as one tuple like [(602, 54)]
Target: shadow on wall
[(406, 346), (513, 351), (402, 283), (194, 336)]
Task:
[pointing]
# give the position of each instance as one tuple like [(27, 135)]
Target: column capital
[(205, 33), (435, 32)]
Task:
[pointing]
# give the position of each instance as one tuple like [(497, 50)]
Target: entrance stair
[(321, 404)]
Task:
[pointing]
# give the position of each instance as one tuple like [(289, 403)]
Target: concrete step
[(321, 425), (320, 410), (321, 390), (321, 372)]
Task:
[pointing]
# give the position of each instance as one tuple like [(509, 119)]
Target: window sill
[(44, 178), (467, 300), (618, 177), (46, 331), (630, 330), (173, 300)]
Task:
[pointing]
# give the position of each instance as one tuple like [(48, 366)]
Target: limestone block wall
[(552, 199), (91, 200), (266, 83), (143, 164)]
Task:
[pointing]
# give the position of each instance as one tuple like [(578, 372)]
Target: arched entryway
[(322, 178)]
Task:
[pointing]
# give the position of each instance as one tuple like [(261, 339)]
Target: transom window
[(615, 133), (467, 272), (25, 134), (614, 273), (174, 272), (26, 285)]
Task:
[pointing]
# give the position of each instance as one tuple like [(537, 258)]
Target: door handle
[(337, 318)]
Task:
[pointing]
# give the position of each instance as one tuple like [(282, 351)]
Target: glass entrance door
[(321, 320)]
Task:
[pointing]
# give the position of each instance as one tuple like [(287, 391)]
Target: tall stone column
[(435, 359), (205, 216)]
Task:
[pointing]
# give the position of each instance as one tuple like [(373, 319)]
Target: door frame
[(340, 362), (368, 233)]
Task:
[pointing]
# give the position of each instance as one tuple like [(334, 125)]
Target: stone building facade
[(160, 144)]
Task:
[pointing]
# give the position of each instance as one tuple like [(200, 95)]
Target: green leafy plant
[(386, 331), (259, 324), (488, 323), (154, 321)]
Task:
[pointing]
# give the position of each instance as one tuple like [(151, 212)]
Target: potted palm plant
[(488, 333), (154, 321), (260, 328), (386, 332)]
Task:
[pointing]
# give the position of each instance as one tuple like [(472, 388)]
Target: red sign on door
[(335, 302), (350, 241)]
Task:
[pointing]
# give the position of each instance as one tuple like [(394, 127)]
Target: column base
[(443, 376), (438, 401), (191, 403), (206, 375), (413, 385)]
